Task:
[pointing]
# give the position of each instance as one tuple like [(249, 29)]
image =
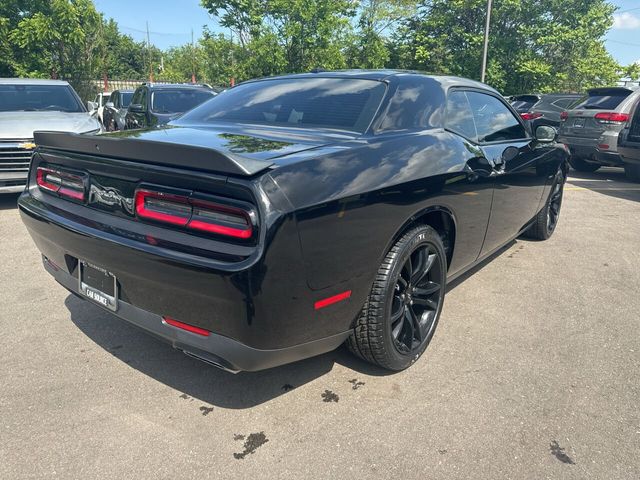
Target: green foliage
[(541, 45), (535, 45)]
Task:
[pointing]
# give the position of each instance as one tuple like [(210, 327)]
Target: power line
[(623, 43), (628, 10), (152, 32)]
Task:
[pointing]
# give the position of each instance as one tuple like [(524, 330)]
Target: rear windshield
[(36, 98), (126, 98), (602, 100), (337, 103), (523, 103), (178, 101)]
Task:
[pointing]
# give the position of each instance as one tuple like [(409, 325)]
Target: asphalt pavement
[(534, 373)]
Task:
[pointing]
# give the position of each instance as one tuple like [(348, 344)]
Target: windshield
[(126, 98), (178, 101), (36, 98), (338, 103)]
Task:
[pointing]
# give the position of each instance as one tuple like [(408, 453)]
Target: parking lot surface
[(534, 373)]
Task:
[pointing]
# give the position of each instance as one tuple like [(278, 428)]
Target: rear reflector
[(63, 183), (331, 300), (530, 115), (193, 213), (186, 326), (611, 117), (603, 146)]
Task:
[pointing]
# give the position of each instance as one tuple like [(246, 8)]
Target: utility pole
[(232, 80), (486, 42), (193, 60), (149, 55)]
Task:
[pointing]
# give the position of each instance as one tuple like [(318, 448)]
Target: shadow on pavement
[(607, 181), (8, 201), (160, 361)]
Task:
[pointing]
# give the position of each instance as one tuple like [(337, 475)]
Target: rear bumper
[(260, 311), (602, 150), (214, 349), (12, 182)]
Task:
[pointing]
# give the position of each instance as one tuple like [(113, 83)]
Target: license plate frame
[(88, 288), (578, 123)]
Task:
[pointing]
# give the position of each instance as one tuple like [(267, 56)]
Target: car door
[(521, 167), (137, 112)]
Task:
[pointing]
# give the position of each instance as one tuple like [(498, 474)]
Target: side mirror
[(91, 105), (545, 134), (136, 108), (108, 105)]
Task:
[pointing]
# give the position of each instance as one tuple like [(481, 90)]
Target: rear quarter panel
[(350, 205)]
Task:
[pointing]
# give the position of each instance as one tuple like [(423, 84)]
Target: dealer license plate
[(98, 285)]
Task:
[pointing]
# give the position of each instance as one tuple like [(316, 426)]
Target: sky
[(171, 22)]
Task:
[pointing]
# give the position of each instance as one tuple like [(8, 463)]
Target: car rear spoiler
[(149, 151), (610, 91)]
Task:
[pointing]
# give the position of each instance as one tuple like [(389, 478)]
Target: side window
[(114, 99), (564, 102), (143, 99), (137, 97), (494, 121), (459, 115)]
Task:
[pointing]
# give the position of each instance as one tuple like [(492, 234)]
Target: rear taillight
[(564, 116), (163, 207), (530, 115), (62, 183), (611, 117), (194, 213)]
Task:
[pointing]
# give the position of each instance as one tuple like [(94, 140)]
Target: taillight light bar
[(530, 115), (611, 117), (62, 183), (194, 213)]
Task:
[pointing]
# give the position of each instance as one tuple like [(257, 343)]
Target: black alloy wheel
[(546, 221), (402, 310), (416, 299), (555, 202)]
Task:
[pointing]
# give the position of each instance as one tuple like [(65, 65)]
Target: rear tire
[(581, 166), (632, 171), (547, 219), (402, 310)]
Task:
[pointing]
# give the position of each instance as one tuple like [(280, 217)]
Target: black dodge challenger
[(291, 214)]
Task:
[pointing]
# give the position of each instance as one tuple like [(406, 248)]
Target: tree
[(538, 45), (376, 18), (278, 36)]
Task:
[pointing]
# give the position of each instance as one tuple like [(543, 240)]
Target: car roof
[(381, 75), (176, 85), (31, 81)]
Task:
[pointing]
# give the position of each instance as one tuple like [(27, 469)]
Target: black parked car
[(629, 144), (115, 110), (291, 214), (155, 104), (544, 109)]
